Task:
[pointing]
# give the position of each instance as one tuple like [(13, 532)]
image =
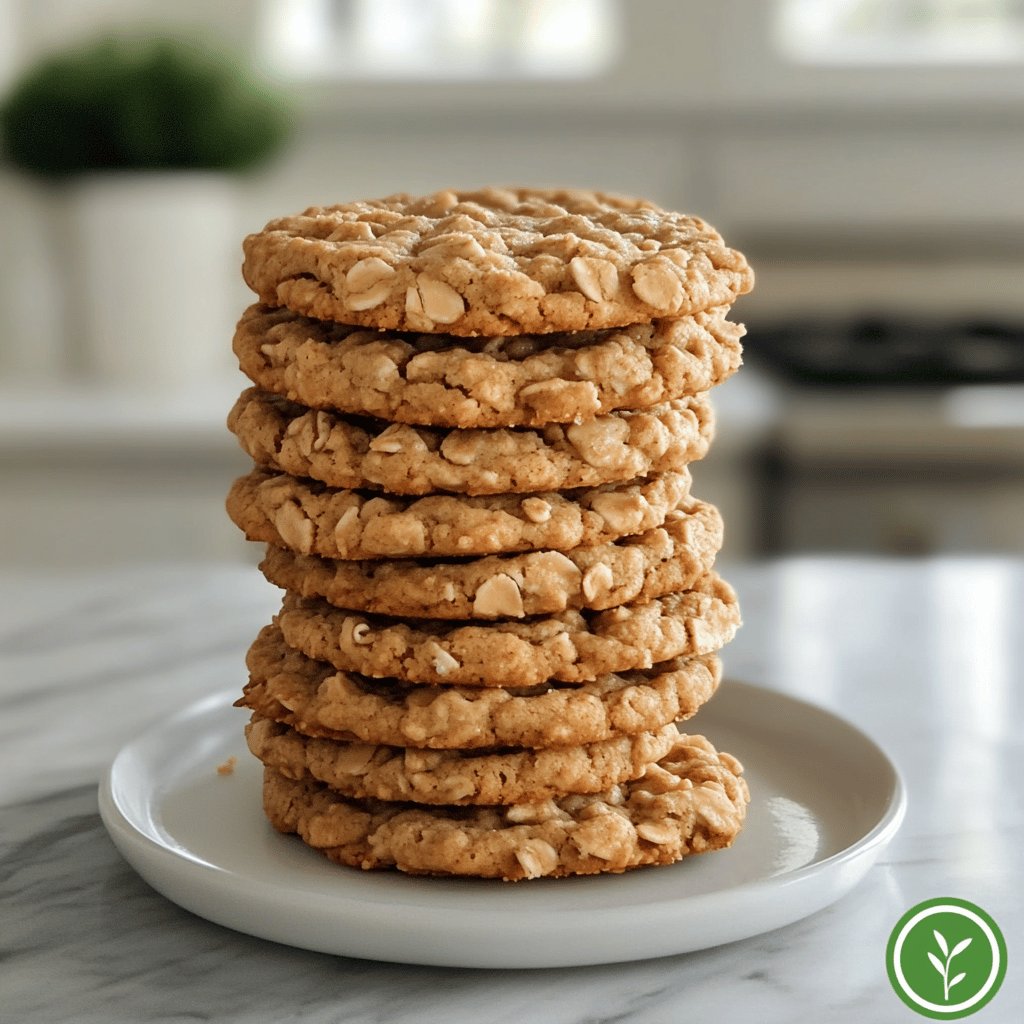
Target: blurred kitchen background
[(867, 155)]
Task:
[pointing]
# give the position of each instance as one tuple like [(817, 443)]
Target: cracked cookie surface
[(527, 380), (669, 558), (310, 518), (456, 777), (692, 801), (493, 261), (572, 647), (351, 453), (311, 696)]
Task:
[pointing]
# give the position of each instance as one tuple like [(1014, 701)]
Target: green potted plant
[(144, 139)]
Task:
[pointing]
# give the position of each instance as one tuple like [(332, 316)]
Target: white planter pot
[(154, 284), (31, 338)]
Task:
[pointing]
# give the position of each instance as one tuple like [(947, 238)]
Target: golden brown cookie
[(573, 647), (495, 261), (310, 518), (456, 777), (694, 800), (345, 452), (659, 562), (526, 380), (312, 697)]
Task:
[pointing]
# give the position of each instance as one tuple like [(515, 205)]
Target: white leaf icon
[(940, 939), (960, 977), (937, 964), (960, 947)]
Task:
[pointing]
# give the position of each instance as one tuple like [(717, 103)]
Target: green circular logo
[(946, 958)]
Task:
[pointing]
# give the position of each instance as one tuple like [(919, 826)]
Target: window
[(901, 31), (442, 39)]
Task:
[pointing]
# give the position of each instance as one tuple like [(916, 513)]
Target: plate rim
[(129, 835)]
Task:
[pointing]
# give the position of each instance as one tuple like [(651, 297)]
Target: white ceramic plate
[(825, 802)]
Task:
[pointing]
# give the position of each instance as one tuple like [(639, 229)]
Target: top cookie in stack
[(495, 262), (472, 419)]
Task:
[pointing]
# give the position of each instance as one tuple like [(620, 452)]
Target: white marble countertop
[(925, 656)]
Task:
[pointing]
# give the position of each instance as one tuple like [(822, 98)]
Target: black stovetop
[(882, 351)]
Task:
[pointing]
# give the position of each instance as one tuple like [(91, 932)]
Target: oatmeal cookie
[(527, 380), (573, 647), (508, 776), (310, 518), (667, 559), (692, 801), (312, 697), (494, 261), (343, 451)]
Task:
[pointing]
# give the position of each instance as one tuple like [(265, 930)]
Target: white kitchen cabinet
[(101, 478), (105, 512), (896, 514), (908, 473)]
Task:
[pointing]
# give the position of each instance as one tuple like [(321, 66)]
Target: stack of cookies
[(472, 419)]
